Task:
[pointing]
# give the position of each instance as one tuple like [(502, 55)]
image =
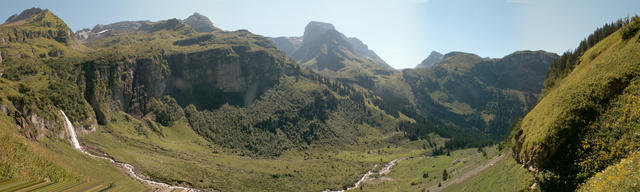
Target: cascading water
[(76, 144), (71, 131)]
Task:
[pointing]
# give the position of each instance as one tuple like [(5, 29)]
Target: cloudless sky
[(402, 32)]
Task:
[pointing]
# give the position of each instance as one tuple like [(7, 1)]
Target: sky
[(402, 32)]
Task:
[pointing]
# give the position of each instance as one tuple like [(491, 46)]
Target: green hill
[(587, 121)]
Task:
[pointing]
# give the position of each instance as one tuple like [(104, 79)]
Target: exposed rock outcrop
[(432, 59), (200, 23)]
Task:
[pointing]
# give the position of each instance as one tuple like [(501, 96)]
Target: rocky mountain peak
[(432, 59), (200, 23), (316, 29)]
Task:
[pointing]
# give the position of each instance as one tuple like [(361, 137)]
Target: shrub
[(630, 30), (166, 110)]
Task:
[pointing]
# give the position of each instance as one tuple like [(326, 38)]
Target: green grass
[(623, 176), (181, 156), (56, 161), (588, 121), (505, 175), (409, 174)]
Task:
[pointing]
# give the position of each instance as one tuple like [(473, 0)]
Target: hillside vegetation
[(207, 104), (479, 95), (588, 121)]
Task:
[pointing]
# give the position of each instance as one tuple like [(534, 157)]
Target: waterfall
[(72, 131), (129, 167)]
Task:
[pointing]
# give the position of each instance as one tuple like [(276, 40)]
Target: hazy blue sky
[(402, 32)]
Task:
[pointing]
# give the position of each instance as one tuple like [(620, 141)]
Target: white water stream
[(385, 170), (76, 144)]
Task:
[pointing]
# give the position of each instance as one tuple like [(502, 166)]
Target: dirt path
[(128, 167), (468, 174)]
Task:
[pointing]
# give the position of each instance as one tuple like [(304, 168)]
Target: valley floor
[(181, 157), (467, 169)]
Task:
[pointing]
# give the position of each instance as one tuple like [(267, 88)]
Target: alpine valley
[(183, 105)]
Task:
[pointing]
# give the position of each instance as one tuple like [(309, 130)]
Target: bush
[(166, 110), (630, 30)]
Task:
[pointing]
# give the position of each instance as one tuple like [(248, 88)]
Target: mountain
[(325, 50), (100, 31), (318, 35), (183, 107), (583, 134), (480, 95), (432, 59), (197, 22), (200, 23)]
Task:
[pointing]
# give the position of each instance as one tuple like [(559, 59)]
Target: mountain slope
[(219, 109), (432, 59), (325, 50), (38, 79), (588, 120), (481, 95)]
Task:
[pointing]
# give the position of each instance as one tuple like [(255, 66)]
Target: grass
[(623, 176), (183, 157), (424, 173), (505, 175), (616, 59), (54, 161)]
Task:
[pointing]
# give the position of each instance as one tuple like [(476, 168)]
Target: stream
[(76, 144), (385, 170)]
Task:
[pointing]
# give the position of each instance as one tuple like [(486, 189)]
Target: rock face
[(200, 23), (360, 48), (322, 39), (433, 58), (209, 78), (288, 44)]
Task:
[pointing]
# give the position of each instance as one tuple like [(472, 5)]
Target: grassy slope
[(588, 121), (505, 175), (182, 155), (408, 175), (55, 161), (622, 176)]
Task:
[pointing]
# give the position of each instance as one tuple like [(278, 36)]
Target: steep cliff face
[(208, 78)]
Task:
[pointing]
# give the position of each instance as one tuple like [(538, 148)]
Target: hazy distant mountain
[(319, 36), (327, 51), (200, 23), (433, 58), (288, 44)]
